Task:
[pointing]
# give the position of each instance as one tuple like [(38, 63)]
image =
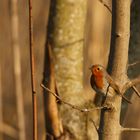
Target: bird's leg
[(108, 103), (106, 94)]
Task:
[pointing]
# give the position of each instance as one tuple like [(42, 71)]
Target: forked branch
[(131, 83)]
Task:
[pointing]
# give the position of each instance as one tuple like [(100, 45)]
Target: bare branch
[(95, 125), (136, 91), (132, 64), (135, 81), (130, 129), (34, 99), (107, 6), (131, 83), (116, 88), (72, 106)]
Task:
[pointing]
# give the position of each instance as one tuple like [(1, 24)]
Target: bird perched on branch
[(101, 81)]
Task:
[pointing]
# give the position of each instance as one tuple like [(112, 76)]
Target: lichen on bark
[(66, 36)]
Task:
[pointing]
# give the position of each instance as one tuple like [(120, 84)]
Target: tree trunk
[(66, 36), (110, 123)]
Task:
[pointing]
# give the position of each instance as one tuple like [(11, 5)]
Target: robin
[(100, 81)]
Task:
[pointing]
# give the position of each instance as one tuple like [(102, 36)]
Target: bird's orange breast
[(99, 82), (96, 82), (98, 78)]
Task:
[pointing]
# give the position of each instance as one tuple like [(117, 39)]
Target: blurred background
[(15, 81)]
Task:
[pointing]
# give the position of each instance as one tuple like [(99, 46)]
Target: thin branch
[(135, 81), (136, 91), (50, 100), (96, 128), (130, 84), (72, 106), (8, 130), (34, 99), (132, 64), (130, 129), (17, 69), (107, 6)]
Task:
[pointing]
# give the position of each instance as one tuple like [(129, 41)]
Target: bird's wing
[(116, 87), (112, 83)]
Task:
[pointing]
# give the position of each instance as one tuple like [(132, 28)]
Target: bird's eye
[(98, 69)]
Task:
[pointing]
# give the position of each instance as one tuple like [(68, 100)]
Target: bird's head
[(97, 70)]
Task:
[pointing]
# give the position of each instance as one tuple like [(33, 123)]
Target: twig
[(130, 84), (17, 69), (135, 81), (95, 125), (132, 64), (34, 99), (136, 91), (130, 129), (108, 8), (8, 130), (72, 106)]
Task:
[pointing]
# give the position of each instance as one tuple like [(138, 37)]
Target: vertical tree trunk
[(110, 129), (66, 36)]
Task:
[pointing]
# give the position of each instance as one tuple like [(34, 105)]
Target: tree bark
[(110, 120), (66, 36)]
